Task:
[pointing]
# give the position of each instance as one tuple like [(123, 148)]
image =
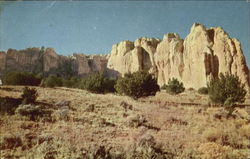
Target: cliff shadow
[(216, 65)]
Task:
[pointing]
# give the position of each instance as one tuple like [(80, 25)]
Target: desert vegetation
[(173, 86), (98, 83), (21, 78), (226, 90), (136, 121), (137, 84), (203, 90)]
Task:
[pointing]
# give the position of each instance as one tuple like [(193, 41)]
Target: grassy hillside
[(78, 124)]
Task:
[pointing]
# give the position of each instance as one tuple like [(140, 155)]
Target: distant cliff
[(41, 60), (201, 56)]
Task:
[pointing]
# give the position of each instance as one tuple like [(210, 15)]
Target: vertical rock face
[(23, 60), (203, 54), (86, 64), (230, 56), (197, 58), (127, 57), (169, 58), (81, 64), (48, 61)]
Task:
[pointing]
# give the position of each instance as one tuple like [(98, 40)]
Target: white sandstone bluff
[(201, 56)]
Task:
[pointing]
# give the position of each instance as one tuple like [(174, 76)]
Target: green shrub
[(227, 90), (29, 95), (21, 78), (52, 81), (203, 90), (174, 86), (164, 87), (8, 105), (71, 83), (137, 84), (98, 83)]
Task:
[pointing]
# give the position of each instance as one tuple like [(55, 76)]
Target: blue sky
[(94, 26)]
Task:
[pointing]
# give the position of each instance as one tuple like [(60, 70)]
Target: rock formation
[(127, 57), (203, 54), (49, 62)]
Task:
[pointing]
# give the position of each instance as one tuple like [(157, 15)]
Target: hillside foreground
[(95, 125)]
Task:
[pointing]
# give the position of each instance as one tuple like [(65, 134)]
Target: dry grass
[(182, 126)]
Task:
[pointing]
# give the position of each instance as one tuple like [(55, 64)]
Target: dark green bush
[(71, 83), (227, 90), (8, 105), (164, 87), (137, 84), (174, 86), (203, 90), (29, 95), (98, 83), (52, 81), (21, 78)]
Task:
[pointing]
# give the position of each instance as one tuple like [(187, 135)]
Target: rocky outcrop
[(127, 56), (22, 60), (47, 61), (169, 58), (51, 59), (203, 54), (86, 64)]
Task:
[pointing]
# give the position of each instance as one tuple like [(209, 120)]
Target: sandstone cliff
[(47, 61), (203, 54), (127, 57)]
